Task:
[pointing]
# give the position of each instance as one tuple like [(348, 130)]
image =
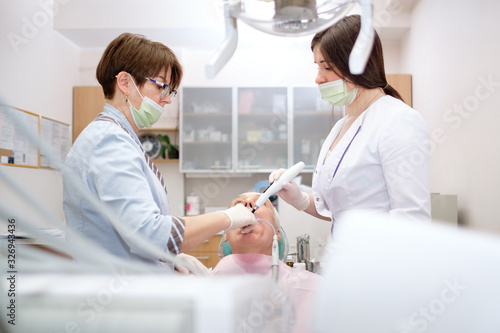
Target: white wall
[(39, 69), (392, 58), (452, 51), (267, 61)]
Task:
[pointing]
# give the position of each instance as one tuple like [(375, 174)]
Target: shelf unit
[(207, 129), (258, 129), (289, 125), (250, 130), (173, 134)]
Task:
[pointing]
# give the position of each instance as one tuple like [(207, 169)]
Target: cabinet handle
[(202, 258)]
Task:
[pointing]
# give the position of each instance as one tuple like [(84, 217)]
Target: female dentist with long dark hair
[(374, 158)]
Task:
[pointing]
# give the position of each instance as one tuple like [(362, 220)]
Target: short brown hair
[(138, 56), (336, 43)]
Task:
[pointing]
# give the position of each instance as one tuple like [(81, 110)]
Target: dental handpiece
[(277, 185)]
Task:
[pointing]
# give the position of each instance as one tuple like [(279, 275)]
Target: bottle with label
[(192, 205)]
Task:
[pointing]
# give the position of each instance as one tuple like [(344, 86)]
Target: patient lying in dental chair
[(250, 253)]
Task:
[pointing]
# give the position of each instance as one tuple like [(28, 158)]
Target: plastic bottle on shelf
[(192, 205)]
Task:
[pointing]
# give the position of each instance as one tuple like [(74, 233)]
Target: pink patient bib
[(299, 285)]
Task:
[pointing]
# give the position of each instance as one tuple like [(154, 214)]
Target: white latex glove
[(291, 192), (182, 259), (241, 217)]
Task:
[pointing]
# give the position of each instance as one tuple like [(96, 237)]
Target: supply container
[(303, 252), (192, 205)]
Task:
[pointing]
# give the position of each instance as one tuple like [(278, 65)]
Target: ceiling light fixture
[(292, 18)]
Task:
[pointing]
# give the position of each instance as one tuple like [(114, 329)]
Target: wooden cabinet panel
[(207, 252), (212, 244), (209, 259), (88, 102), (402, 83)]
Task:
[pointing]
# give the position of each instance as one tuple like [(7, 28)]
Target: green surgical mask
[(336, 94), (148, 113)]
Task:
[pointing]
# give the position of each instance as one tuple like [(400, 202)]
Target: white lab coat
[(385, 168)]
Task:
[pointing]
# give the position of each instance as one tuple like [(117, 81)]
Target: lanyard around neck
[(150, 163), (345, 151)]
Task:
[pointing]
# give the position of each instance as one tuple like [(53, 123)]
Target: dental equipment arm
[(277, 185), (227, 48), (364, 42)]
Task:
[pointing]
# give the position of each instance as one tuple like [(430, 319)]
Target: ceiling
[(92, 24)]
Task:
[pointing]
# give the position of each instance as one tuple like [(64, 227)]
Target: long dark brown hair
[(335, 45)]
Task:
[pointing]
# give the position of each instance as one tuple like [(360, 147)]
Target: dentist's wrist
[(303, 203)]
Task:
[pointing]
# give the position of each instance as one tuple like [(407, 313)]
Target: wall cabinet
[(257, 129), (251, 130), (207, 129), (313, 119), (262, 118), (88, 102)]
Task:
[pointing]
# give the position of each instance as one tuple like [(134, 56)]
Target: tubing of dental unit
[(277, 185), (274, 252)]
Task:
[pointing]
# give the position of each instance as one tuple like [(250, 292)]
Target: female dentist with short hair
[(373, 158), (138, 77)]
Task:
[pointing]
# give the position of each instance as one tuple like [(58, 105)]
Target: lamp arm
[(226, 50), (364, 43)]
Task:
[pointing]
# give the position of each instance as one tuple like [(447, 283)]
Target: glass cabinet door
[(206, 129), (262, 129), (313, 119)]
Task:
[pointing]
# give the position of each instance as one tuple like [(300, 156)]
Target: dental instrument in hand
[(277, 185)]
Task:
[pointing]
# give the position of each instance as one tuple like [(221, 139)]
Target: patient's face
[(260, 239)]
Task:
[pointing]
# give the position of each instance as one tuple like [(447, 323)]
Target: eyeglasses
[(166, 88)]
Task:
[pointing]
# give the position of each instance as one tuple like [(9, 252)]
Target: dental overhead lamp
[(293, 18)]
